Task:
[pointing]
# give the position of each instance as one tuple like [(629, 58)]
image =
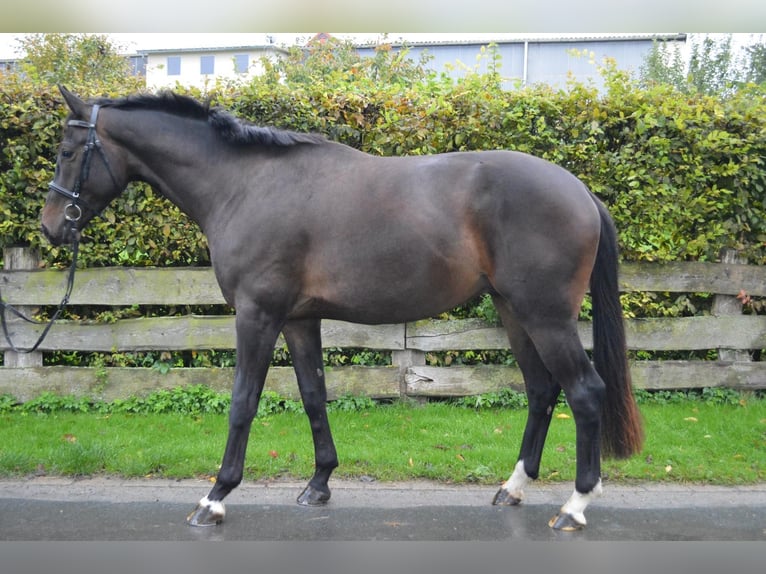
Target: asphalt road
[(103, 509)]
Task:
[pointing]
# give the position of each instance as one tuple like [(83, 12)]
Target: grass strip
[(687, 441)]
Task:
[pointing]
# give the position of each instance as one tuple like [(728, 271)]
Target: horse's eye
[(66, 154)]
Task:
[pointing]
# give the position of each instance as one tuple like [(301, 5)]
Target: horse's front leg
[(305, 344), (257, 333)]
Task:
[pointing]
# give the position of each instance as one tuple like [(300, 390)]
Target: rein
[(60, 309), (72, 213)]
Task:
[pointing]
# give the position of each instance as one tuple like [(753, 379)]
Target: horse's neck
[(176, 165)]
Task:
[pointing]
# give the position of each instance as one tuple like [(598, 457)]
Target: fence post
[(730, 305), (17, 259), (405, 359)]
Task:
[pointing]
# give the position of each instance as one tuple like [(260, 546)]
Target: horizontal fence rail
[(197, 285), (726, 330)]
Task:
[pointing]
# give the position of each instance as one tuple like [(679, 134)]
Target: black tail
[(621, 429)]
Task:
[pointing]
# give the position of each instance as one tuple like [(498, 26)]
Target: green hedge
[(682, 175)]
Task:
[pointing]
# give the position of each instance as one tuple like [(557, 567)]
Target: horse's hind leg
[(558, 348), (564, 356), (304, 342), (542, 394)]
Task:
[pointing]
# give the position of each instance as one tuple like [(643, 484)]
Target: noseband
[(73, 210)]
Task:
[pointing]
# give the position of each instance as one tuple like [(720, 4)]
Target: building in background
[(8, 65), (199, 67), (550, 60)]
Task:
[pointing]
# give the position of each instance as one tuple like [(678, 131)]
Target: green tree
[(72, 59), (336, 63), (663, 65), (756, 65), (712, 66)]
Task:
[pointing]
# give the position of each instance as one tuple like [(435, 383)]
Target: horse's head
[(89, 173)]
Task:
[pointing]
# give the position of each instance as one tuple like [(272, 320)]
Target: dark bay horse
[(301, 228)]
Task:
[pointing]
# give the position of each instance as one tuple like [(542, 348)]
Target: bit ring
[(72, 212)]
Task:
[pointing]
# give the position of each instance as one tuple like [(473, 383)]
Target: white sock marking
[(517, 481), (214, 506), (578, 502)]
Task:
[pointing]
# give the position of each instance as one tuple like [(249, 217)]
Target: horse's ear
[(76, 105)]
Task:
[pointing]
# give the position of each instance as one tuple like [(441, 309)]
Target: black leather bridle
[(73, 210), (73, 214)]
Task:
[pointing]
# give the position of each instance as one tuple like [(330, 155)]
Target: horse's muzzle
[(65, 234), (53, 240)]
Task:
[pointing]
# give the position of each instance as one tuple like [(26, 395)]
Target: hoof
[(313, 497), (505, 498), (207, 513), (565, 523)]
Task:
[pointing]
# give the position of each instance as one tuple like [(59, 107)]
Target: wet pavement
[(103, 509)]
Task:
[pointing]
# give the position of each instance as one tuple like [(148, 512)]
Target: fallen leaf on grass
[(743, 297), (691, 419), (563, 416), (69, 438)]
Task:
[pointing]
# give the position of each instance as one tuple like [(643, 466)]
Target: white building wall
[(157, 66)]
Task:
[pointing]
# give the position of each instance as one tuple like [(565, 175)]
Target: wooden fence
[(726, 329)]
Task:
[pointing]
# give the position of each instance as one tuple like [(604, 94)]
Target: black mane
[(229, 127)]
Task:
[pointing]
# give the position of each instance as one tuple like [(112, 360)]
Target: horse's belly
[(392, 298)]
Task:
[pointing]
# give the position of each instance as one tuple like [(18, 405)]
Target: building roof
[(441, 42), (533, 39), (251, 48)]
